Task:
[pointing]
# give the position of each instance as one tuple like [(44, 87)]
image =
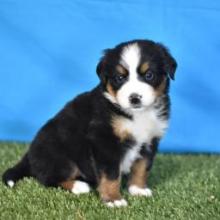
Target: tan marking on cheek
[(144, 67), (121, 70), (161, 88), (139, 173), (119, 131), (110, 90), (109, 190)]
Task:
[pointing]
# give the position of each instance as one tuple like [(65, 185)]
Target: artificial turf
[(184, 187)]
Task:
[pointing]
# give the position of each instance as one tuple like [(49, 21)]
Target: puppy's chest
[(143, 127)]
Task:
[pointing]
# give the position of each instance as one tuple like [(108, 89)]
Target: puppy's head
[(135, 73)]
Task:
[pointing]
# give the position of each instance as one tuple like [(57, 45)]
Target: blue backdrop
[(49, 50)]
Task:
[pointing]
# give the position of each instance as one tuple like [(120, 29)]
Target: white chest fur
[(145, 126)]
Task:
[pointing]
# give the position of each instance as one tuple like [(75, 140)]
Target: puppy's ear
[(101, 68), (170, 63)]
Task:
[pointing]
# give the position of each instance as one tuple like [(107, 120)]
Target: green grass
[(184, 187)]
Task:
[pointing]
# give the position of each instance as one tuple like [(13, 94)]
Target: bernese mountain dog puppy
[(111, 131)]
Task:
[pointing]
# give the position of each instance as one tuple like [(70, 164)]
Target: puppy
[(111, 131)]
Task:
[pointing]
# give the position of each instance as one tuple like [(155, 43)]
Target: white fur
[(110, 97), (117, 203), (10, 183), (145, 125), (130, 59), (129, 158), (80, 187), (137, 191)]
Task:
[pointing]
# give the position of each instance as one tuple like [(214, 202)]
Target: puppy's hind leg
[(75, 186)]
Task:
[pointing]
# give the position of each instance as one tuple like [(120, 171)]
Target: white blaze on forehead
[(130, 57)]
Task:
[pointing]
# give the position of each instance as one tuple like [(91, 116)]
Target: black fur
[(81, 135)]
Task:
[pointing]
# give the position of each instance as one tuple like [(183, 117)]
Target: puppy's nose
[(135, 99)]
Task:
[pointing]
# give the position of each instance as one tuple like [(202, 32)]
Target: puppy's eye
[(149, 76), (120, 78)]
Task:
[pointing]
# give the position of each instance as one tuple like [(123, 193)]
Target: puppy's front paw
[(137, 191), (116, 203)]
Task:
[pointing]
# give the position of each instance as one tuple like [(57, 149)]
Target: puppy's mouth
[(137, 106)]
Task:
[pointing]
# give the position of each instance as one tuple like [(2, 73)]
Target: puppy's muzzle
[(135, 100)]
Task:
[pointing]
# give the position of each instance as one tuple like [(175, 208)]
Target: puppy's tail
[(12, 175)]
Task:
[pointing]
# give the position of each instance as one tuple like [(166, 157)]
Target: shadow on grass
[(165, 167)]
